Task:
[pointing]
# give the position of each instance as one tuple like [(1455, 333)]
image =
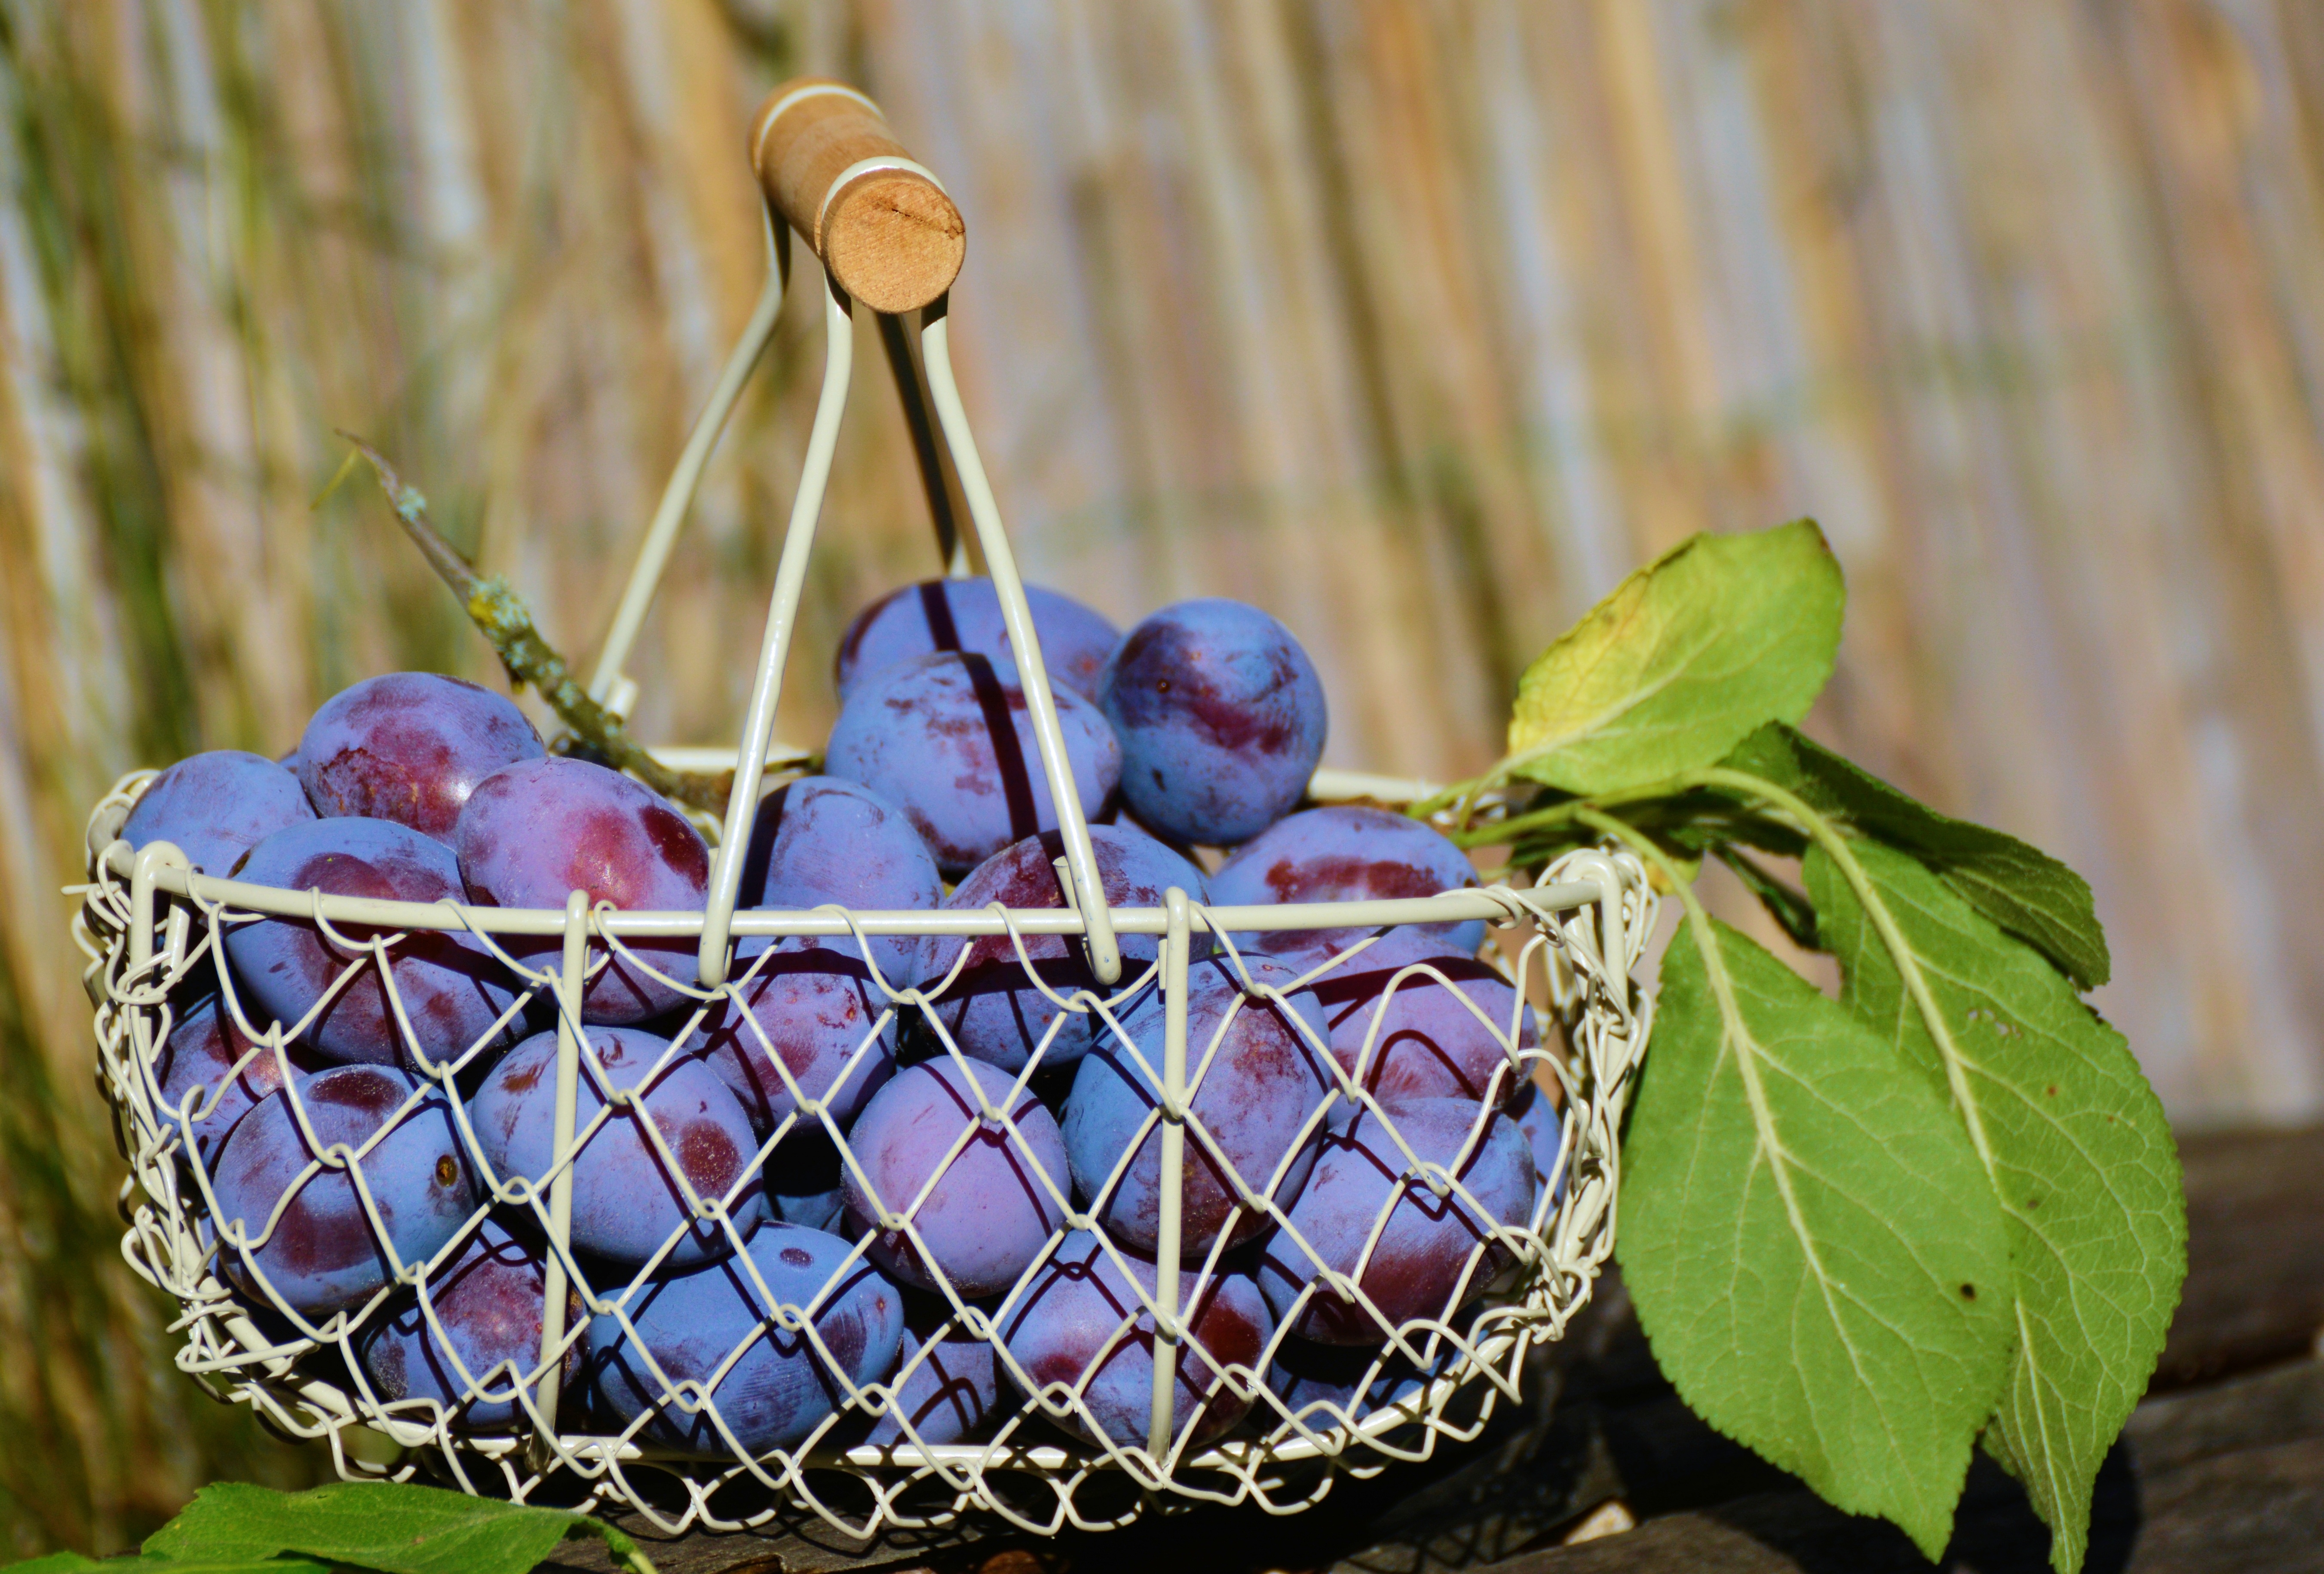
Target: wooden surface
[(2222, 1467)]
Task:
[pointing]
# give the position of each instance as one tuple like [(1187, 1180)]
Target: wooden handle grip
[(889, 234)]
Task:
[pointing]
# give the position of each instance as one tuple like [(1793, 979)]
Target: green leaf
[(2023, 890), (1684, 659), (75, 1563), (2077, 1148), (1814, 1255), (392, 1526), (1789, 908)]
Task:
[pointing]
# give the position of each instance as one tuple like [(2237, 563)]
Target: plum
[(410, 748), (989, 1209), (993, 1010), (1344, 852), (1422, 1263), (1412, 1034), (485, 1342), (1543, 1125), (810, 1004), (1314, 1381), (195, 1072), (215, 806), (779, 1388), (946, 1395), (820, 841), (452, 988), (947, 738), (1220, 717), (626, 1200), (322, 1253), (964, 615), (1082, 1323), (532, 833), (1256, 1078)]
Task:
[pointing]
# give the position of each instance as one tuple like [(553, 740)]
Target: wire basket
[(1183, 1390)]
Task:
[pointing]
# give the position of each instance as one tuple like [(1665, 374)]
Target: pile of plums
[(373, 1115)]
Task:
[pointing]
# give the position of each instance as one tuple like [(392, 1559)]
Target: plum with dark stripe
[(809, 1006), (410, 748), (535, 832), (484, 1341), (964, 615), (820, 841), (1220, 717), (947, 739), (627, 1202), (453, 990), (1412, 1018)]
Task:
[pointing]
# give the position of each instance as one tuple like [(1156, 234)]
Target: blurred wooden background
[(1418, 324)]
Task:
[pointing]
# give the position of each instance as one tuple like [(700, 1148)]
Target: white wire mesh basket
[(729, 1366)]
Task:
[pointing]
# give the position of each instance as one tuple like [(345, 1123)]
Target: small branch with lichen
[(506, 621)]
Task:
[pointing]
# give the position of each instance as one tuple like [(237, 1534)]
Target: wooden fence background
[(1417, 323)]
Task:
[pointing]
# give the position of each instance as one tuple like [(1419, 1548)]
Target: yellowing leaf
[(1686, 657)]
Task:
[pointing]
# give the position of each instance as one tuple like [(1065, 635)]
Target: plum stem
[(501, 615)]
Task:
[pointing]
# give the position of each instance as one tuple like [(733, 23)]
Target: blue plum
[(1082, 1324), (626, 1200), (946, 1395), (1220, 717), (993, 1010), (321, 1253), (410, 748), (964, 615), (780, 1389), (810, 1004), (989, 1211), (196, 1072), (947, 738), (1320, 1383), (1256, 1077), (533, 833), (1344, 852), (485, 1339), (452, 988), (1434, 1254), (217, 807), (820, 841), (1412, 1034)]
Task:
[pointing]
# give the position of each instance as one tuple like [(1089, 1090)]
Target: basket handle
[(881, 224)]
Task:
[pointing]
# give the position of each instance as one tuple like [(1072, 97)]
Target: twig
[(501, 613)]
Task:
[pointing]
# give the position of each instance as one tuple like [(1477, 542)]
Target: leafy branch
[(1865, 1234), (505, 619)]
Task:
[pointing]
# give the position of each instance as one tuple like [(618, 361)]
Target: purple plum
[(217, 807), (1344, 852), (322, 1253), (410, 748), (626, 1200), (1220, 717), (780, 1387), (946, 1395), (1434, 1254), (991, 1009), (452, 988), (1082, 1324), (485, 1342), (810, 1004), (1541, 1120), (947, 738), (991, 1208), (1321, 1383), (196, 1072), (1256, 1078), (964, 615), (820, 841), (1403, 1024), (535, 832)]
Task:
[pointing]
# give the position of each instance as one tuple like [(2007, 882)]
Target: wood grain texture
[(1418, 322)]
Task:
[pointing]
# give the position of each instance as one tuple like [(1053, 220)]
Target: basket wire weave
[(153, 929)]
